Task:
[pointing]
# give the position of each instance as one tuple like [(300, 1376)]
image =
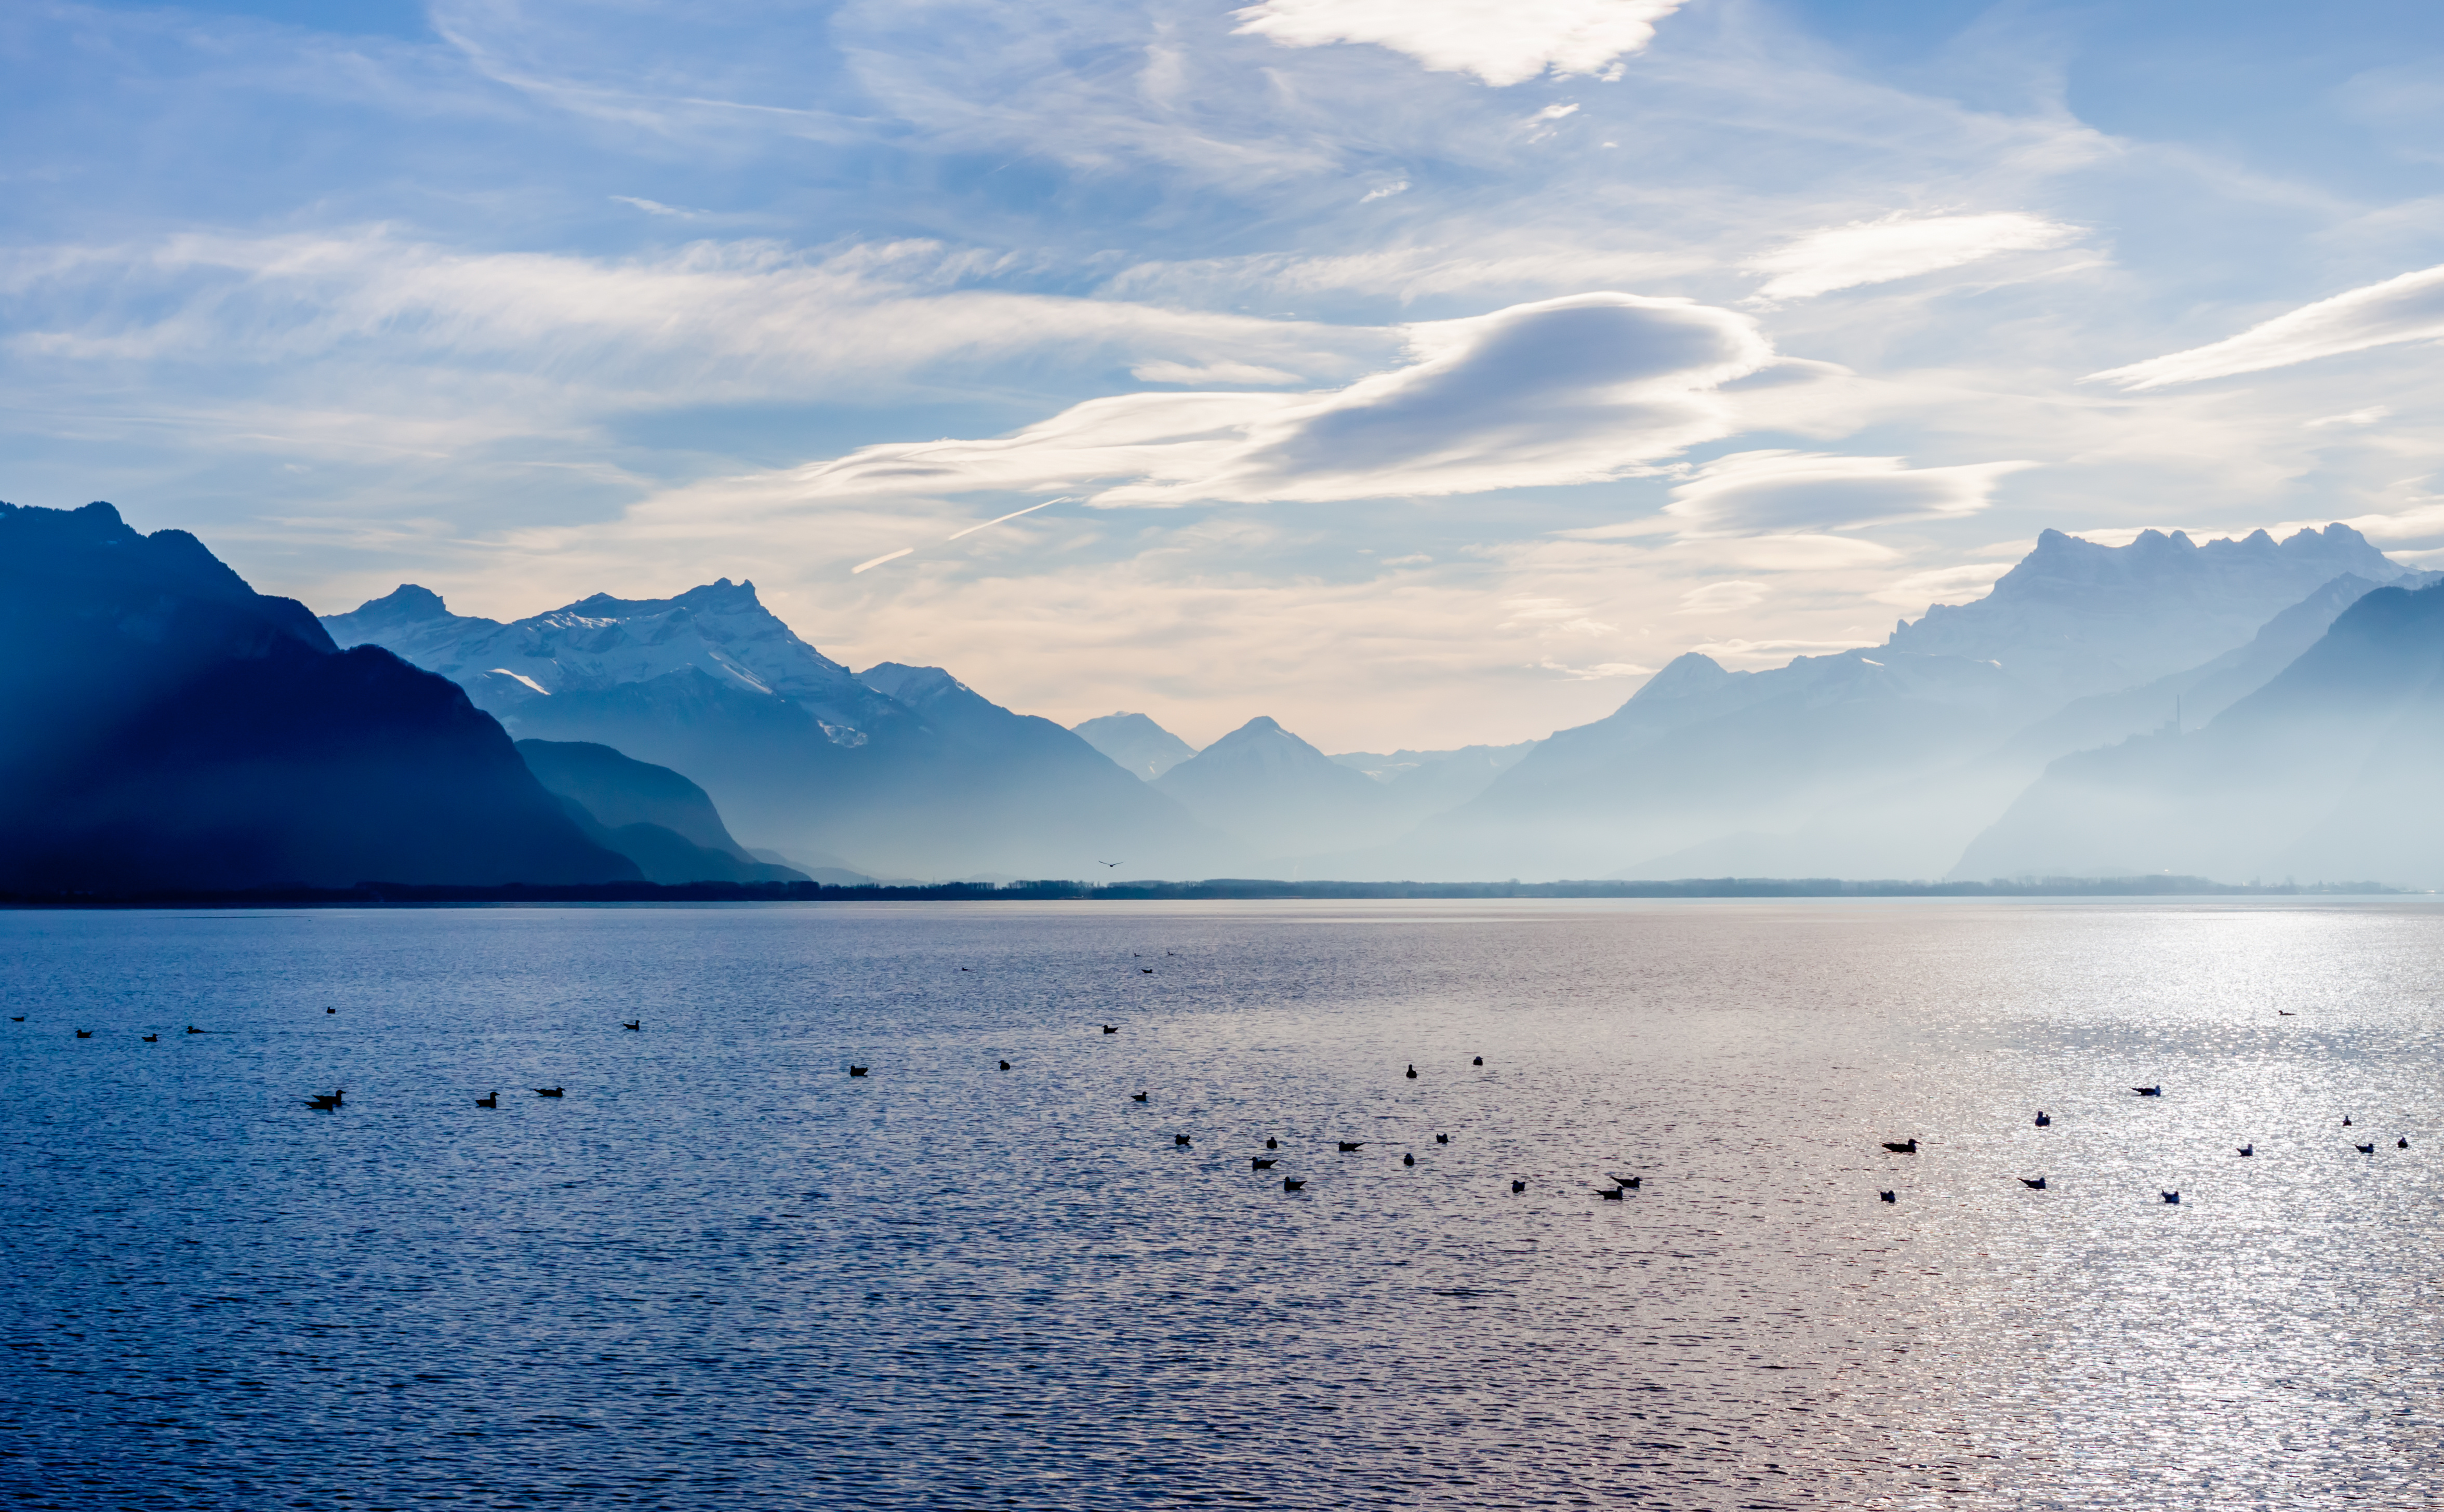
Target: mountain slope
[(651, 815), (2328, 767), (1279, 796), (1135, 743), (169, 728)]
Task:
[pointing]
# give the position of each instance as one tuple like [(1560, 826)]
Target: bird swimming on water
[(1408, 1160), (2038, 1184), (857, 1071), (492, 1101), (330, 1011), (1413, 1073), (1907, 1148), (1889, 1196), (1349, 1145), (1004, 1065), (1272, 1144), (2368, 1148), (1137, 1096), (1291, 1183), (2172, 1197), (2346, 1117), (1110, 1029), (1517, 1187), (2248, 1149), (2402, 1143), (1260, 1163), (1627, 1183), (2156, 1091), (151, 1039), (1609, 1193), (2042, 1122), (85, 1034), (1179, 1140), (1442, 1139), (547, 1092), (191, 1029), (638, 1024), (1478, 1061)]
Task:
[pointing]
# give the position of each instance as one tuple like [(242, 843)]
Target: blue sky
[(1419, 372)]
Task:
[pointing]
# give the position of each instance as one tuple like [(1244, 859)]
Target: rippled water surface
[(720, 1271)]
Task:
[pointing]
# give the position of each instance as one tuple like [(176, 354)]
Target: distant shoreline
[(386, 895)]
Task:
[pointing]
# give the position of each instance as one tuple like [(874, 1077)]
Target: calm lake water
[(720, 1271)]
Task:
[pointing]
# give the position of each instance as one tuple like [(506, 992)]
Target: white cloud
[(655, 207), (2367, 416), (1878, 251), (1717, 598), (1573, 390), (1942, 586), (1209, 373), (2408, 308), (1500, 43), (1780, 492), (1384, 191)]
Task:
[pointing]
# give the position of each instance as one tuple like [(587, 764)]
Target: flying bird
[(1108, 864), (1910, 1148)]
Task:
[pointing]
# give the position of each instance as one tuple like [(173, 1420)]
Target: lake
[(719, 1270)]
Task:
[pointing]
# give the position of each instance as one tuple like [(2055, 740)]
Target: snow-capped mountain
[(721, 630)]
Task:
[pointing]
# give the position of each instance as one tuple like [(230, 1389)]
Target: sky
[(1419, 373)]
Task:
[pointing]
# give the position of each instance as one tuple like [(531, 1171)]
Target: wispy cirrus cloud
[(1897, 247), (1500, 43), (2407, 309), (1776, 492)]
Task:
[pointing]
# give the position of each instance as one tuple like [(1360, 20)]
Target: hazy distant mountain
[(1423, 783), (919, 776), (1885, 762), (2326, 772), (167, 727), (1279, 796), (1135, 743), (651, 815)]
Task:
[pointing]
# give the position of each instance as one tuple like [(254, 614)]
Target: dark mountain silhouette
[(168, 728), (1279, 794), (919, 777), (2325, 772), (1135, 743), (649, 814)]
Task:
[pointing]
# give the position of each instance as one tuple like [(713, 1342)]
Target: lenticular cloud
[(1573, 390), (1500, 43), (2408, 308)]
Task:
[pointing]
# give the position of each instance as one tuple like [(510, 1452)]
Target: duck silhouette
[(2042, 1122), (1408, 1159), (1111, 1029), (85, 1034), (1260, 1163), (1291, 1183), (1478, 1061), (2402, 1143), (330, 1011), (857, 1071), (2248, 1149), (1413, 1073), (322, 1104), (2156, 1091), (1272, 1144), (638, 1024), (1004, 1065), (1147, 970), (1137, 1096), (2368, 1148), (1908, 1147), (1442, 1139), (2347, 1120), (1347, 1146), (2035, 1184), (16, 1018), (1625, 1183), (492, 1101), (1887, 1196), (1609, 1193), (1518, 1186), (191, 1029), (1179, 1140), (2172, 1197), (151, 1039), (548, 1092)]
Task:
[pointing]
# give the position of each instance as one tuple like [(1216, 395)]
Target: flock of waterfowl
[(2044, 1120)]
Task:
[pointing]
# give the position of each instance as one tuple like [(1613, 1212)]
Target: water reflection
[(721, 1268)]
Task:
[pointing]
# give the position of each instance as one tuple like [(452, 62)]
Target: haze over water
[(720, 1270)]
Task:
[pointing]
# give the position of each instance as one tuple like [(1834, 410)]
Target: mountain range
[(2248, 706)]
